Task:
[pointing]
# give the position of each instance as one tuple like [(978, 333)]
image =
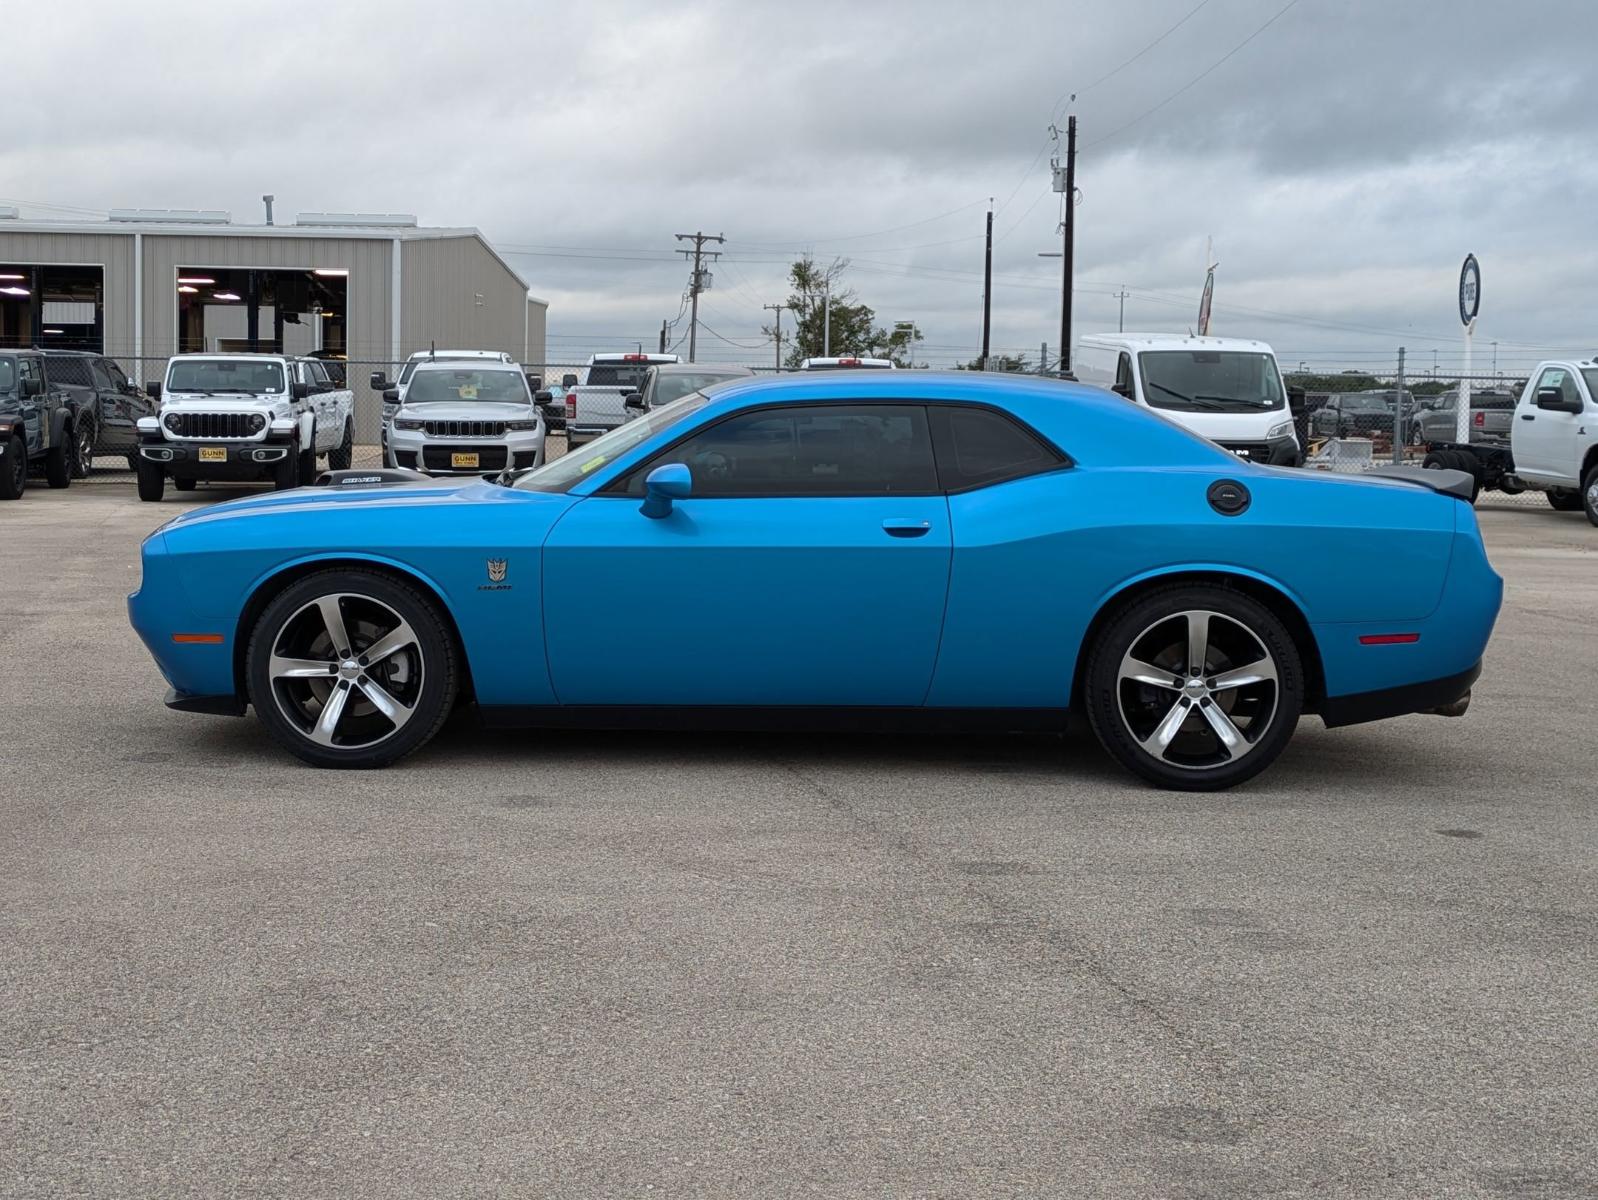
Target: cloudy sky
[(1343, 154)]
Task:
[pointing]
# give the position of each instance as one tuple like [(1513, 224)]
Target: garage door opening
[(54, 307), (255, 310)]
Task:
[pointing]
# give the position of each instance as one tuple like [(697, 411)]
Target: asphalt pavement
[(577, 965)]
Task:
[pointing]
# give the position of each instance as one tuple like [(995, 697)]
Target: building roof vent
[(172, 216), (358, 220)]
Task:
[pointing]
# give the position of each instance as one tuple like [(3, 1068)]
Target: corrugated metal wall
[(458, 295), (537, 329), (113, 252), (366, 259)]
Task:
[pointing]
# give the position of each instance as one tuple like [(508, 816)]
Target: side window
[(318, 376), (68, 372), (1558, 377), (1123, 377), (105, 376), (28, 368), (825, 450), (977, 447)]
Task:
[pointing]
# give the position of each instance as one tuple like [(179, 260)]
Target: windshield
[(466, 385), (629, 375), (569, 469), (675, 387), (1210, 380), (8, 374), (224, 376), (1373, 401)]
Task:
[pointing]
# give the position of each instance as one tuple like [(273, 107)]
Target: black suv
[(106, 405), (35, 424)]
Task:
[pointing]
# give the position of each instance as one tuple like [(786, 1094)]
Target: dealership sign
[(1469, 290)]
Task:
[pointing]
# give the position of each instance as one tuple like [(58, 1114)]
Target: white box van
[(1229, 390)]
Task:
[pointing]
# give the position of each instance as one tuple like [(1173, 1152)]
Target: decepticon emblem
[(496, 570)]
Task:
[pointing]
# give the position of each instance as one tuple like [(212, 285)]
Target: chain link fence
[(1368, 423)]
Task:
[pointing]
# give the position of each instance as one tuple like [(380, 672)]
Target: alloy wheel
[(85, 448), (346, 670), (1197, 689)]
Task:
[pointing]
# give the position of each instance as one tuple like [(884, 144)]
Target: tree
[(853, 328), (998, 362)]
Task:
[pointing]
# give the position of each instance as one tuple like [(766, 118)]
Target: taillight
[(1481, 418), (571, 406)]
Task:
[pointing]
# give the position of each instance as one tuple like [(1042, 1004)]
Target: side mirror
[(391, 395), (544, 397), (1297, 398), (633, 400), (672, 481), (300, 390), (1124, 390), (153, 390), (567, 382), (1553, 399), (379, 381)]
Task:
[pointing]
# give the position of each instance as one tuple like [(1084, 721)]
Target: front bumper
[(1276, 452), (438, 456), (240, 461)]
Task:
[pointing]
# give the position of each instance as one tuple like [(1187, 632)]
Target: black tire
[(1564, 499), (151, 480), (421, 674), (1437, 460), (83, 449), (286, 473), (13, 469), (306, 469), (1126, 714), (58, 462), (340, 457), (1589, 494), (184, 485)]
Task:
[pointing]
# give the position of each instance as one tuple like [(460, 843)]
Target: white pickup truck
[(597, 404), (1552, 445)]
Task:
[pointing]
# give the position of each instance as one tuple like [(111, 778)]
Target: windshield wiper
[(1197, 401), (1237, 400)]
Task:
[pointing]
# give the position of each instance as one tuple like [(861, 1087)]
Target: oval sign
[(1469, 290)]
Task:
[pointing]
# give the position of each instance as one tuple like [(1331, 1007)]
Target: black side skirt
[(216, 706), (751, 719), (1360, 707)]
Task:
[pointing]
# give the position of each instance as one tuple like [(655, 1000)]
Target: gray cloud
[(1343, 161)]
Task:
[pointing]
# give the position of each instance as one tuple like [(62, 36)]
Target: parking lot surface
[(690, 965)]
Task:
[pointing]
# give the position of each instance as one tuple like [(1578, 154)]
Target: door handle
[(905, 527), (1528, 416)]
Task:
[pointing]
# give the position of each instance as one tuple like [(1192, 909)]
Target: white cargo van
[(1229, 390)]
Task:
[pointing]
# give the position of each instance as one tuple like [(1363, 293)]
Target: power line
[(1280, 13), (1054, 113)]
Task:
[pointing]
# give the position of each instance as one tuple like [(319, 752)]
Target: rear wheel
[(1194, 687), (83, 456), (13, 468), (340, 457), (1564, 499), (351, 669), (151, 479), (58, 463)]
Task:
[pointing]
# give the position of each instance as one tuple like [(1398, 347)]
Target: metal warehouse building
[(146, 284)]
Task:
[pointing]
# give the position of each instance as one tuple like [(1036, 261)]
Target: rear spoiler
[(374, 477), (1459, 484)]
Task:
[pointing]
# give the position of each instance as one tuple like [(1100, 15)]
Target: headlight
[(1282, 430), (257, 422), (520, 426), (172, 421), (411, 424)]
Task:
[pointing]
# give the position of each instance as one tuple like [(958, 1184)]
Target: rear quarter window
[(977, 447)]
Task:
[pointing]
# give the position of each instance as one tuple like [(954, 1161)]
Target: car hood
[(468, 410), (316, 502), (228, 403)]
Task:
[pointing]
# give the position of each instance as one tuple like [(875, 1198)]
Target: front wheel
[(352, 669), (286, 473), (13, 468), (307, 465), (1194, 687), (1589, 494), (151, 480), (83, 456), (1564, 499), (58, 464)]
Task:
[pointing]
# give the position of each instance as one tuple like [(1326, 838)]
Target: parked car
[(673, 381), (35, 425), (552, 403), (953, 549), (394, 392), (1363, 414), (1553, 441), (1229, 390), (594, 405), (243, 417), (106, 406), (336, 363), (467, 418), (1491, 413), (848, 364)]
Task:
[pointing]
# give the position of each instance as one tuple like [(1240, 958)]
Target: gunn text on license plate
[(463, 460), (213, 454)]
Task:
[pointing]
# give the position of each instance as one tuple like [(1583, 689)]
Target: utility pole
[(987, 288), (776, 332), (1120, 322), (700, 280), (663, 325), (1398, 412), (1068, 250), (826, 318), (1043, 359)]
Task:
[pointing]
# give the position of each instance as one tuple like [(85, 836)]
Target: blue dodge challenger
[(871, 549)]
